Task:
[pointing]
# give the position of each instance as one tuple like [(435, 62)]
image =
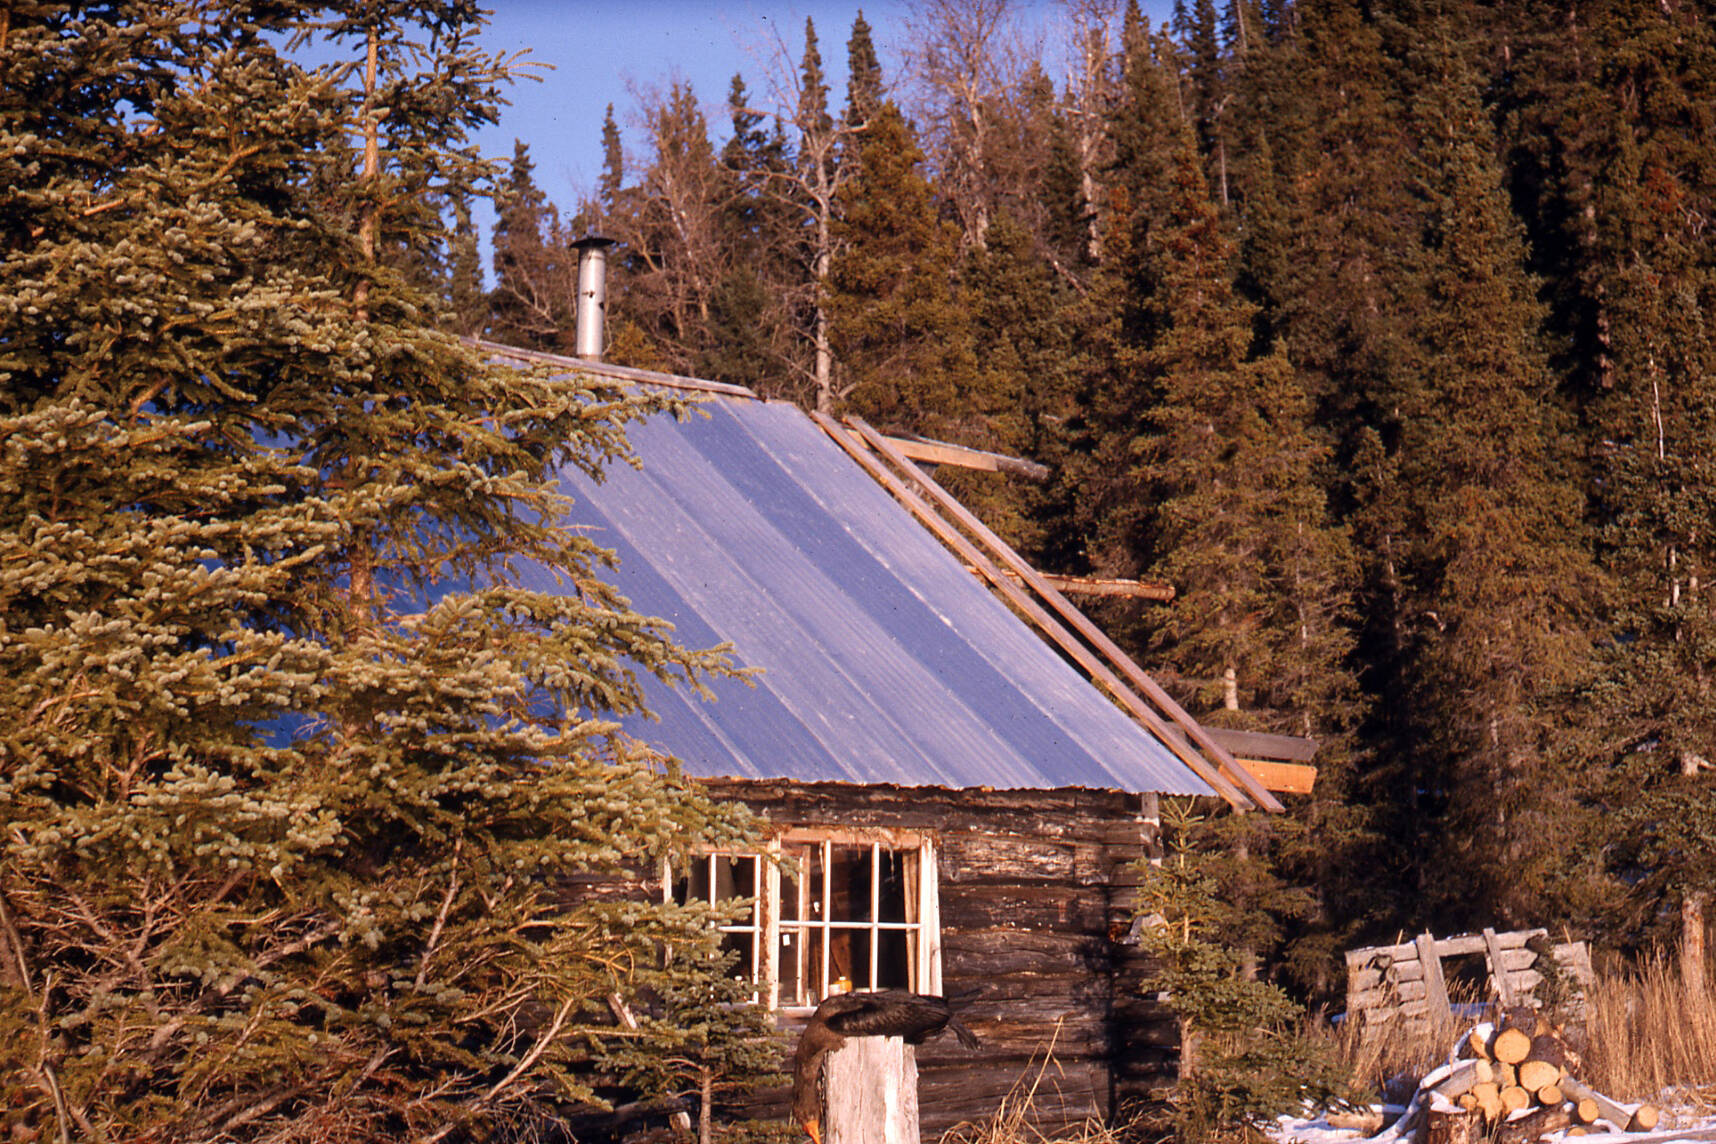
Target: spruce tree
[(1206, 90), (1497, 579), (1221, 447), (863, 75), (468, 304), (1021, 395), (292, 768), (1612, 119), (751, 315), (673, 253), (531, 304), (822, 167), (897, 326), (613, 177)]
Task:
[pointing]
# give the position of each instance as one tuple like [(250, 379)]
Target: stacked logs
[(1513, 1082)]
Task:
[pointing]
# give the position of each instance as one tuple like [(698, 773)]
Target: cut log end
[(1511, 1046), (1536, 1074)]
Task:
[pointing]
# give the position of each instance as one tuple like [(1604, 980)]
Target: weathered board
[(1406, 981)]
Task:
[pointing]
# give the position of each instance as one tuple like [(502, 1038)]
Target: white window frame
[(766, 927)]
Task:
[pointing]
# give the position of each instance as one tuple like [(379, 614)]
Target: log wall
[(1035, 888)]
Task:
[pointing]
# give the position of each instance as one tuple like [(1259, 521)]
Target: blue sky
[(603, 52)]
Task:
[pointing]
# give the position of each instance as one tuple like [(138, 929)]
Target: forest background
[(1381, 331)]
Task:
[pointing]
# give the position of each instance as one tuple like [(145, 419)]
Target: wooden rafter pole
[(1079, 622), (1125, 589), (1020, 599), (965, 457)]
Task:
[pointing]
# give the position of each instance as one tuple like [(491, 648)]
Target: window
[(720, 877), (846, 910)]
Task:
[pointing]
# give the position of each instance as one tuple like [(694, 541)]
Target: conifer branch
[(434, 938), (14, 970), (536, 1051)]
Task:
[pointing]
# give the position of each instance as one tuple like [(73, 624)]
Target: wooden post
[(1435, 985), (1498, 971), (870, 1092)]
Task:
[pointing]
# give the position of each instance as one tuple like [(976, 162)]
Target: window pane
[(746, 966), (898, 893), (700, 878), (735, 877), (813, 957), (790, 906), (814, 882), (849, 883), (794, 946), (896, 959), (848, 960)]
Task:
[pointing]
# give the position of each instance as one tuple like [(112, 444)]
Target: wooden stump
[(871, 1092), (1451, 1126), (1526, 1129)]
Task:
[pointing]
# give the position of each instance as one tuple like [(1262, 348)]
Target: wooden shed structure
[(965, 770)]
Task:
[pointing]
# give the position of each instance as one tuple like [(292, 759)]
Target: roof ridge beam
[(617, 372)]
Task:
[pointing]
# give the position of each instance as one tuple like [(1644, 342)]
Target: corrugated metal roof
[(884, 659)]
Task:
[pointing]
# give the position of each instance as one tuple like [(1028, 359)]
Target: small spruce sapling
[(1241, 1060)]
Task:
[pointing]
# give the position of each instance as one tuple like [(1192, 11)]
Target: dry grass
[(1013, 1121), (1649, 1035), (1647, 1038), (1388, 1058)]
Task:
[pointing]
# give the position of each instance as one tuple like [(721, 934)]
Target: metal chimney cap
[(594, 241)]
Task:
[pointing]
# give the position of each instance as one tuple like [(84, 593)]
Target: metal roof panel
[(883, 659)]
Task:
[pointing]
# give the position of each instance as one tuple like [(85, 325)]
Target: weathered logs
[(1633, 1118), (1451, 1126), (1526, 1129), (1551, 1048)]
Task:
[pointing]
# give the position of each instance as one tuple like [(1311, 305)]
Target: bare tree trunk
[(706, 1106), (1692, 941), (1190, 1042), (1090, 23), (369, 225), (824, 362)]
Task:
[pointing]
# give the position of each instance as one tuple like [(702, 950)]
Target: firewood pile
[(1511, 1082)]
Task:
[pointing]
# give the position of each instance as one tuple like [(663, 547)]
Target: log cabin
[(963, 769)]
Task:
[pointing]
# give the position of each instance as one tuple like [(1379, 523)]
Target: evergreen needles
[(291, 774)]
